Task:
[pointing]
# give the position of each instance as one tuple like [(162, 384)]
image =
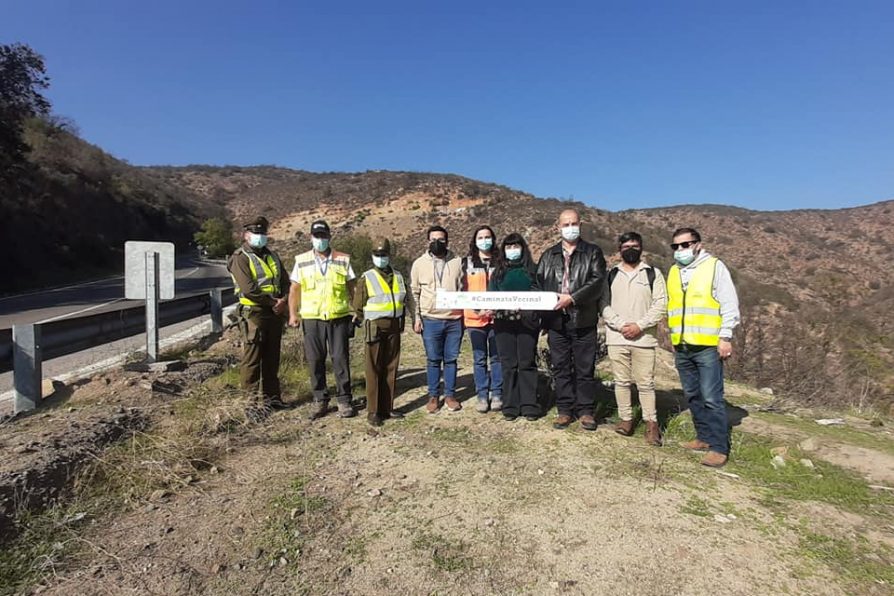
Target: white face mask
[(571, 233), (484, 244), (320, 244), (684, 256), (513, 254), (257, 240), (381, 262)]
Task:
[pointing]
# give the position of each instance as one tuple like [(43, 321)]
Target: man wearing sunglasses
[(702, 311)]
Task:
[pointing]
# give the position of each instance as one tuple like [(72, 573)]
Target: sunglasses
[(687, 244)]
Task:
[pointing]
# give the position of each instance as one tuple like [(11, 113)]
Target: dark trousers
[(572, 354), (517, 346), (382, 359), (262, 335), (321, 337)]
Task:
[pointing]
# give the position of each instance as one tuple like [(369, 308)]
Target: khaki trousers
[(634, 366)]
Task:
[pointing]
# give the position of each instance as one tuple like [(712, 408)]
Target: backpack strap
[(650, 274)]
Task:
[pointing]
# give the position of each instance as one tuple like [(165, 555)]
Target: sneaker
[(496, 404), (346, 410), (434, 404), (482, 406), (510, 417), (531, 417), (452, 404)]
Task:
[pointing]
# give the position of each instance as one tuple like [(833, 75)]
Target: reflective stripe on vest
[(477, 279), (693, 315), (384, 302), (323, 297), (265, 273)]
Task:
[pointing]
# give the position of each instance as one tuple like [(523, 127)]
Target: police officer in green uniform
[(380, 308), (262, 288)]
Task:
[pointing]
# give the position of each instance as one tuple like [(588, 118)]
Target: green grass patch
[(751, 458), (843, 434), (854, 559), (293, 518), (696, 506)]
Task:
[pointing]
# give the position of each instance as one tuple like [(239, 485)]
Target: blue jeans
[(484, 348), (441, 339), (701, 375)]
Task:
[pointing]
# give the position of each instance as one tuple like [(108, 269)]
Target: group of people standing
[(325, 297)]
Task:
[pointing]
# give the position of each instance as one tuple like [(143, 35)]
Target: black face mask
[(631, 255), (438, 247)]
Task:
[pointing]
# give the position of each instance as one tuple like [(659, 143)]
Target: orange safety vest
[(476, 280)]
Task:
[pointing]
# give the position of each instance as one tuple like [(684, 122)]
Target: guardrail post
[(27, 369), (216, 311)]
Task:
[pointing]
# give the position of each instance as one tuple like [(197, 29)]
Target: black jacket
[(586, 282)]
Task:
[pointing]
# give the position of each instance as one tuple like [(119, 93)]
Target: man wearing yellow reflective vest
[(320, 302), (380, 306), (261, 286), (702, 311)]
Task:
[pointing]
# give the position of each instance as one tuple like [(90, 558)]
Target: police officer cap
[(319, 228), (381, 247), (257, 226)]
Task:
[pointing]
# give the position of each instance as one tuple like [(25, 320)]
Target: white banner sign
[(496, 300)]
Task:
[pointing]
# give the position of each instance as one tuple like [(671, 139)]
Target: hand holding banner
[(496, 300)]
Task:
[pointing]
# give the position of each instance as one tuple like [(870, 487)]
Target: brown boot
[(625, 427), (653, 434), (587, 422), (714, 460), (434, 404), (452, 404), (695, 445), (563, 421)]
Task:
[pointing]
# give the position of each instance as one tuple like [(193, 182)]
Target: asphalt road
[(103, 295)]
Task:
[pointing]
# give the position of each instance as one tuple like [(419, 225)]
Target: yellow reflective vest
[(693, 315), (384, 301), (265, 271), (324, 292)]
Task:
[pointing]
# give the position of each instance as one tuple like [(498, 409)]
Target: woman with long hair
[(517, 330), (478, 267)]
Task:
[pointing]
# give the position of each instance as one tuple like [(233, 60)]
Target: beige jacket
[(424, 283), (633, 302)]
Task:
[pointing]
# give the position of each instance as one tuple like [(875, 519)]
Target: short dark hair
[(691, 231), (628, 236), (437, 229)]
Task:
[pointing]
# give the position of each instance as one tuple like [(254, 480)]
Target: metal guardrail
[(25, 347)]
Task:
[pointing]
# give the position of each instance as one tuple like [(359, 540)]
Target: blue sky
[(766, 105)]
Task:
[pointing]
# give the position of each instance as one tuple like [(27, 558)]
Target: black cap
[(258, 225), (320, 228), (381, 247)]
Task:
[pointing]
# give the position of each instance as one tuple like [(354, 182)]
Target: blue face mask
[(381, 262), (320, 244), (684, 256), (484, 244), (513, 254), (257, 240)]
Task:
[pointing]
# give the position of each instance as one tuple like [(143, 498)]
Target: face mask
[(438, 247), (484, 244), (571, 233), (381, 262), (257, 240), (684, 256), (631, 255), (513, 254), (320, 244)]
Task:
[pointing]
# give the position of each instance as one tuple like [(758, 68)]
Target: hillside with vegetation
[(815, 301)]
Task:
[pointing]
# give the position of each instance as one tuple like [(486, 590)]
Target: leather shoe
[(714, 460), (587, 422), (452, 404), (625, 427), (695, 445), (434, 404), (653, 434), (563, 421), (375, 420), (395, 414)]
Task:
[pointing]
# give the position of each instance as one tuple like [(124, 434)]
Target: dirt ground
[(452, 503)]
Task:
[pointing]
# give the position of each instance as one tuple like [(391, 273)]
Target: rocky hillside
[(815, 300), (73, 206)]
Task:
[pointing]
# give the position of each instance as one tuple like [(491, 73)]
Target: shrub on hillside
[(216, 237)]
